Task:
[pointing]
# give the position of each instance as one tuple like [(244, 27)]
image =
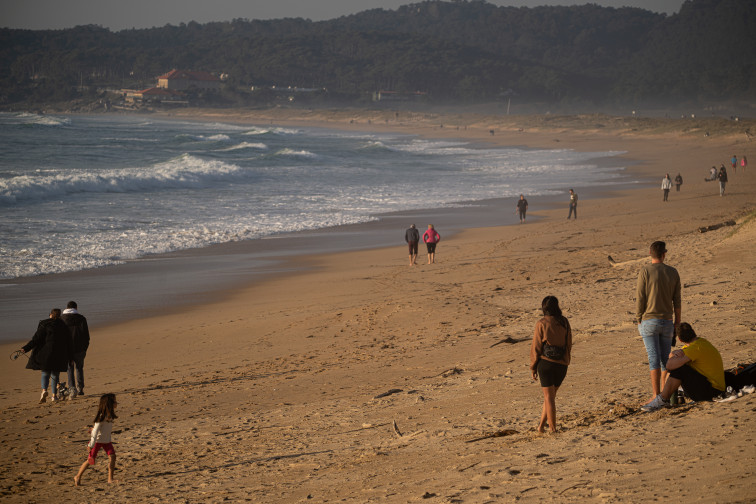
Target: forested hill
[(459, 51)]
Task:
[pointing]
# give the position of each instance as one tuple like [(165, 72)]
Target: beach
[(352, 377)]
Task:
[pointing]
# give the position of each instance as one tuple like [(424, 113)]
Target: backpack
[(741, 375)]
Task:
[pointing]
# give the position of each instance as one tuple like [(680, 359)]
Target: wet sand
[(276, 394)]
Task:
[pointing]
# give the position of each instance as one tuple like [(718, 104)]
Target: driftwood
[(396, 428), (508, 339), (392, 391), (501, 433), (714, 227)]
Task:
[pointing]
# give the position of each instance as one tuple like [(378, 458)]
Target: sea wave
[(273, 130), (185, 171), (246, 145), (31, 119), (295, 153)]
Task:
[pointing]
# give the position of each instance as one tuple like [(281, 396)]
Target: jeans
[(78, 367), (657, 336), (573, 209), (722, 188), (46, 375)]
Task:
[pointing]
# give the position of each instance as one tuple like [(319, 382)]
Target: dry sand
[(273, 394)]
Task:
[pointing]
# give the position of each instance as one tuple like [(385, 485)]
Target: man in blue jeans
[(658, 301)]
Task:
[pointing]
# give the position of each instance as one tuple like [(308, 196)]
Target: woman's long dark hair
[(550, 306), (106, 411)]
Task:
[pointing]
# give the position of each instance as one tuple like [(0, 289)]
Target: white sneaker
[(43, 397), (54, 398), (655, 404)]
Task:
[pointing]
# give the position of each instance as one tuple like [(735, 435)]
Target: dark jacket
[(412, 235), (77, 324), (52, 348)]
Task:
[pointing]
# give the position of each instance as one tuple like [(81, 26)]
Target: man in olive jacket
[(77, 324)]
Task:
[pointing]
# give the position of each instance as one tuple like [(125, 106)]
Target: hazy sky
[(121, 14)]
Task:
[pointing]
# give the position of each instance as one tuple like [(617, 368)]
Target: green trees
[(456, 51)]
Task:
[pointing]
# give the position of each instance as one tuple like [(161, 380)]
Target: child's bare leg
[(77, 478), (111, 468)]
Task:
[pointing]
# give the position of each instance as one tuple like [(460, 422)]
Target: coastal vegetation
[(451, 52)]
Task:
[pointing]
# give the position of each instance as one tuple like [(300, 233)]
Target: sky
[(124, 14)]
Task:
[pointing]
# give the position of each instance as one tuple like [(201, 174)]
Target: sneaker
[(43, 398), (655, 404), (54, 398), (80, 392)]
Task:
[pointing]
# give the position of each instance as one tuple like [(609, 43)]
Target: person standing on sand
[(697, 367), (666, 186), (431, 238), (734, 163), (744, 163), (550, 353), (722, 176), (573, 204), (678, 181), (522, 207), (658, 300), (412, 237), (77, 324), (101, 437), (51, 352)]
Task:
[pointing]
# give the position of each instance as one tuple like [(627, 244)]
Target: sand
[(280, 392)]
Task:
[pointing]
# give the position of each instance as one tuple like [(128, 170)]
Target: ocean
[(85, 193)]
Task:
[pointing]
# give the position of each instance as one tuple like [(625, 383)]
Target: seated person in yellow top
[(697, 367)]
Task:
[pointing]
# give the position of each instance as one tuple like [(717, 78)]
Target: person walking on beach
[(550, 353), (722, 177), (522, 207), (658, 301), (431, 238), (77, 324), (573, 204), (678, 182), (412, 237), (697, 367), (734, 163), (51, 352), (101, 437), (744, 163), (666, 186)]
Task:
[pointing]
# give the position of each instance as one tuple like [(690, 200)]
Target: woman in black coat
[(52, 350)]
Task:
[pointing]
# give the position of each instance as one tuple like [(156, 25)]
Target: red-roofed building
[(184, 79)]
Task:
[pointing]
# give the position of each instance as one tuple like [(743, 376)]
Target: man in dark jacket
[(77, 324), (412, 237), (52, 350)]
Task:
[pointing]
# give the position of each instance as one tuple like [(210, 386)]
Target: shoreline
[(187, 278), (360, 379)]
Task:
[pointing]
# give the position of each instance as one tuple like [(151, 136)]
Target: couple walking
[(60, 344), (430, 238)]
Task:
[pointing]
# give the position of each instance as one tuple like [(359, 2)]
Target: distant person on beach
[(77, 324), (51, 352), (744, 163), (522, 207), (658, 294), (573, 204), (678, 182), (722, 177), (550, 354), (734, 163), (712, 173), (412, 237), (697, 367), (431, 238), (101, 437), (666, 185)]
